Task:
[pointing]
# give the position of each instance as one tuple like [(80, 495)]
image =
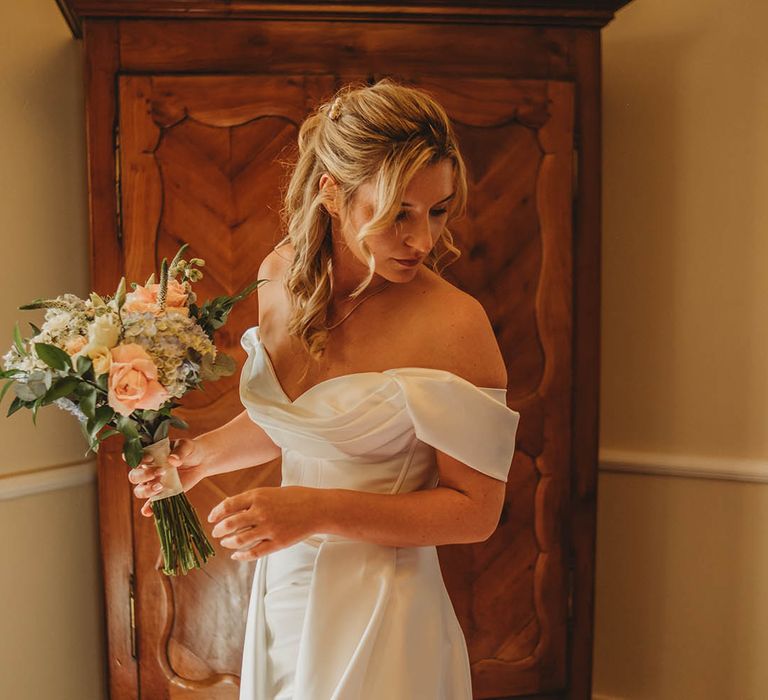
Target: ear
[(330, 194)]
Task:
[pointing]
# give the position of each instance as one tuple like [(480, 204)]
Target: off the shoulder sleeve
[(472, 424)]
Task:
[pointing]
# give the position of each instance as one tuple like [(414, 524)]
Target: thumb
[(182, 451)]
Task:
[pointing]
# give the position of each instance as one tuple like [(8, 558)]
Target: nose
[(419, 236)]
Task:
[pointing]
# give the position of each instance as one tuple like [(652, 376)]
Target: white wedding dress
[(332, 618)]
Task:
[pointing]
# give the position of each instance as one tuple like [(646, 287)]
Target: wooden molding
[(596, 13)]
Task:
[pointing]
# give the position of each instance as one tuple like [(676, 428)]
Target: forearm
[(236, 445), (430, 517)]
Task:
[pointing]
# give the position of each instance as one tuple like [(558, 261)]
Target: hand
[(265, 519), (188, 456)]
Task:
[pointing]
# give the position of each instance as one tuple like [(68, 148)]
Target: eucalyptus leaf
[(24, 392)]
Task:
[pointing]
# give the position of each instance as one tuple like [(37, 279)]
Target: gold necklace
[(358, 304)]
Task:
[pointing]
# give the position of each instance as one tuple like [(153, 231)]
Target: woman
[(391, 421)]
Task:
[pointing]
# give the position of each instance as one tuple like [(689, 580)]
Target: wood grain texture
[(105, 256)]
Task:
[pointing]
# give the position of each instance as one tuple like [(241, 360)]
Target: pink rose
[(145, 298), (133, 380)]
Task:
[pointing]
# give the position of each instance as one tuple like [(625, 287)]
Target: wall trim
[(62, 476), (691, 466)]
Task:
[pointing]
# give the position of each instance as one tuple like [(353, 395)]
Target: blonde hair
[(382, 133)]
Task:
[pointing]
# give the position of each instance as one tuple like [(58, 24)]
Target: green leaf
[(177, 422), (53, 356), (62, 387), (88, 401), (128, 427), (16, 404), (161, 431), (103, 381), (38, 303), (35, 407), (5, 388), (84, 363), (18, 340), (108, 433), (34, 328), (102, 416), (4, 374), (133, 452)]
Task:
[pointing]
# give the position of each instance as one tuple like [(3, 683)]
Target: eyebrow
[(450, 196)]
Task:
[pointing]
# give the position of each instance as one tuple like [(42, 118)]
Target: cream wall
[(682, 563), (51, 626)]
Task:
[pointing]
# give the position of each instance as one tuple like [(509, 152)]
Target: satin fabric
[(332, 618)]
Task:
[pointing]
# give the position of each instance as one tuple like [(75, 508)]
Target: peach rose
[(74, 345), (133, 380), (144, 299)]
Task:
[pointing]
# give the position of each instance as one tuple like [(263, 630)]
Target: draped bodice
[(376, 431)]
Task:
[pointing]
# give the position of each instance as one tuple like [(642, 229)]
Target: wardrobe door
[(198, 164), (511, 593)]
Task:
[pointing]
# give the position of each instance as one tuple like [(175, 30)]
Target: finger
[(229, 506), (232, 523), (259, 550), (248, 537), (141, 475), (147, 490), (146, 509)]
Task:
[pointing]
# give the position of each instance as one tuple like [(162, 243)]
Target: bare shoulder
[(272, 269), (462, 335), (276, 261)]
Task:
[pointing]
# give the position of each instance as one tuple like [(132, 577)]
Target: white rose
[(104, 330)]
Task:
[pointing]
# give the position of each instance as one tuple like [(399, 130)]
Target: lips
[(408, 260)]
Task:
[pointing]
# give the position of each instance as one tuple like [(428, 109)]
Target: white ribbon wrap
[(159, 451)]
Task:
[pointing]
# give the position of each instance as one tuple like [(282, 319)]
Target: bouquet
[(118, 364)]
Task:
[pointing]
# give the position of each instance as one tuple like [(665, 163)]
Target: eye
[(437, 213)]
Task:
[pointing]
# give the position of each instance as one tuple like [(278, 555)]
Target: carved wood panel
[(199, 163)]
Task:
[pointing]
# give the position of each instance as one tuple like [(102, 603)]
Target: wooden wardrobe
[(191, 107)]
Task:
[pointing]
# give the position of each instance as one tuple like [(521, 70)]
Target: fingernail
[(157, 487), (160, 472)]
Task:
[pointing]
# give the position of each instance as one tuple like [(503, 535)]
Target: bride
[(382, 387)]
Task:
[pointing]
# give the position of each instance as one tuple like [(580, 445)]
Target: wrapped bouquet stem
[(182, 537), (118, 364)]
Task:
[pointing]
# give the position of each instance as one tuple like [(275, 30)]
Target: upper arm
[(475, 356)]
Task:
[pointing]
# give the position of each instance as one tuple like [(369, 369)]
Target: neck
[(349, 272)]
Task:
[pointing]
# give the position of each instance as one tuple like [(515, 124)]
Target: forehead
[(430, 184)]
